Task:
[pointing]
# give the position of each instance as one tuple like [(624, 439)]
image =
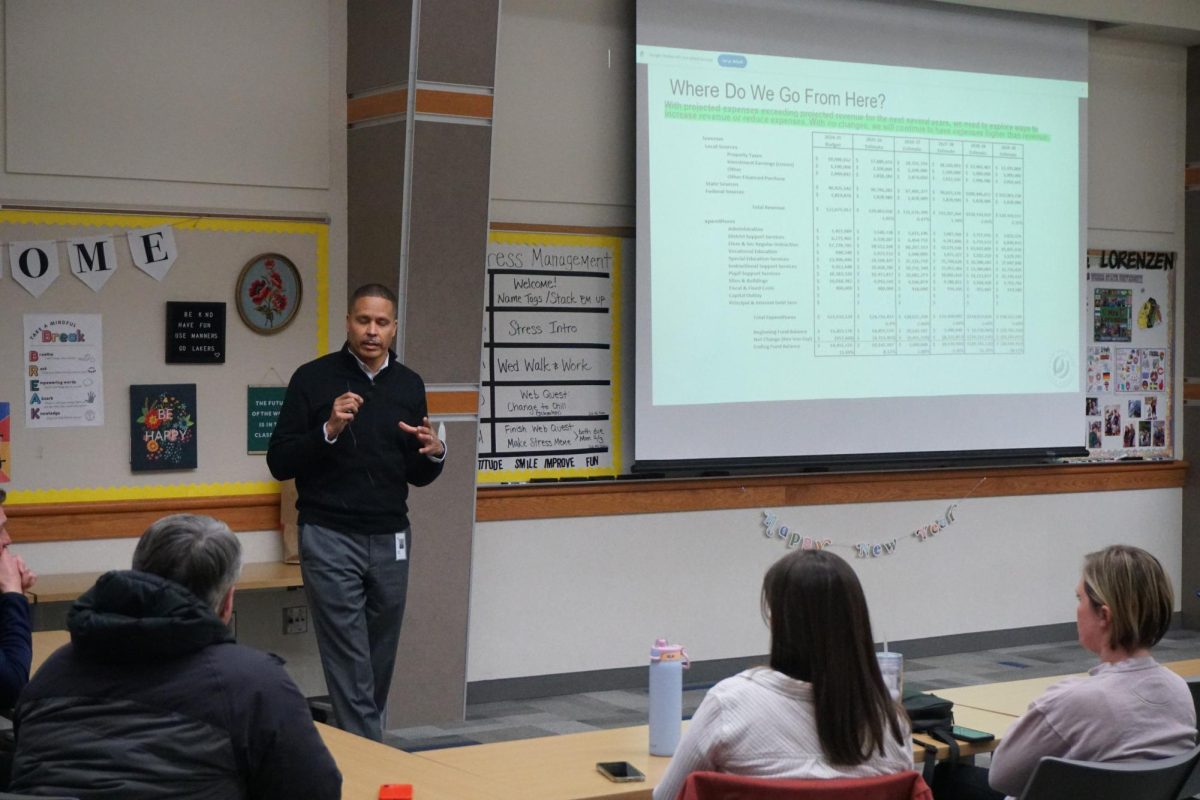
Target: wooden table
[(1189, 668), (562, 767), (259, 575), (366, 765), (558, 767), (45, 643), (1013, 697)]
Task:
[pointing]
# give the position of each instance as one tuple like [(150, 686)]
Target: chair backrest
[(11, 796), (720, 786), (1160, 779), (1194, 684), (1192, 787)]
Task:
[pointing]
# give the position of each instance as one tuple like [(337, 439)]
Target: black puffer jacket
[(153, 699)]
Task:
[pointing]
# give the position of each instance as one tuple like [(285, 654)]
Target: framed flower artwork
[(162, 426), (268, 293)]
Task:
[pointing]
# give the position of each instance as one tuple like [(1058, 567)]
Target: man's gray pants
[(356, 589)]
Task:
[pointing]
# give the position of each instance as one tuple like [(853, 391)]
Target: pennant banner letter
[(34, 265), (153, 250), (93, 260)]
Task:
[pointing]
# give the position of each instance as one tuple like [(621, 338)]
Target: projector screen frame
[(886, 458)]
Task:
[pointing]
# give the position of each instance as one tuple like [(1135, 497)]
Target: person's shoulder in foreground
[(821, 710), (16, 640), (153, 699), (1128, 707)]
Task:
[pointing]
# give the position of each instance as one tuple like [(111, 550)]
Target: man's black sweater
[(358, 484)]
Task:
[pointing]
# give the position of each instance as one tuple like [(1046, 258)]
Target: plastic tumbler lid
[(662, 648)]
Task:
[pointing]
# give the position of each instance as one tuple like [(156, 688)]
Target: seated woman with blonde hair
[(1127, 708), (821, 710)]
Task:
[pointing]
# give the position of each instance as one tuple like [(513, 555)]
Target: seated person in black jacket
[(16, 648), (153, 699)]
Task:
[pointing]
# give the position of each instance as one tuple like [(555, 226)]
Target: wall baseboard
[(706, 673)]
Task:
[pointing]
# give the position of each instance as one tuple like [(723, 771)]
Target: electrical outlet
[(295, 620)]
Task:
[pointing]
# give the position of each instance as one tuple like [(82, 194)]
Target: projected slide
[(829, 230)]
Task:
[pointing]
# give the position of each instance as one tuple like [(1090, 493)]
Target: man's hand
[(342, 414), (431, 445), (28, 576), (10, 571)]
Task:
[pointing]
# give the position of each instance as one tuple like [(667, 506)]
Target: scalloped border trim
[(89, 219)]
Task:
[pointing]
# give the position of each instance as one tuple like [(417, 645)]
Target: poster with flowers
[(162, 429), (268, 293)]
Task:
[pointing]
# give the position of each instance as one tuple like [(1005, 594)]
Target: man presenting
[(354, 432)]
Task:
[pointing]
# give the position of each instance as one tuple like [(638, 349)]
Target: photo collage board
[(1129, 378)]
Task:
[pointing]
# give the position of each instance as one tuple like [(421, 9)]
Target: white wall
[(143, 86), (607, 587), (96, 156), (573, 166)]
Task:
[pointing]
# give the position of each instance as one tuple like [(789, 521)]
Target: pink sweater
[(1131, 710)]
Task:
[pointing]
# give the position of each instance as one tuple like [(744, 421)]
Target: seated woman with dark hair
[(1127, 708), (821, 710)]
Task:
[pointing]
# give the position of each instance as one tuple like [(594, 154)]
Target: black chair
[(11, 796), (1192, 787), (1160, 779), (1194, 684)]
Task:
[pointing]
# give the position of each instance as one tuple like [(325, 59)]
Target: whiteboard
[(549, 369)]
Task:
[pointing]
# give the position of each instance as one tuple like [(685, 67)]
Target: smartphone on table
[(620, 771), (971, 735)]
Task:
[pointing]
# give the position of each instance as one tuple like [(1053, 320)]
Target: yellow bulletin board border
[(319, 230), (172, 491), (613, 244)]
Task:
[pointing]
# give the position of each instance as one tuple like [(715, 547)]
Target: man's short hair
[(200, 553), (375, 290)]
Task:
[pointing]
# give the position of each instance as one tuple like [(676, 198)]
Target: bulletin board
[(549, 405), (125, 318), (1129, 384)]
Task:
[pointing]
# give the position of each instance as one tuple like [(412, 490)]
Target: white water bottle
[(667, 663)]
